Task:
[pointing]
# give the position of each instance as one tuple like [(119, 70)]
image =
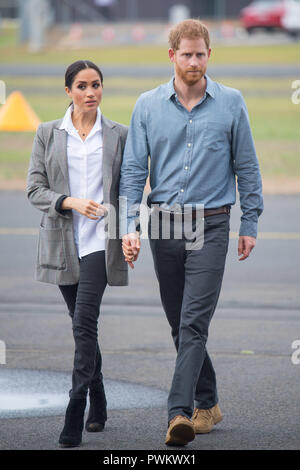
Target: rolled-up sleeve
[(134, 169), (247, 170)]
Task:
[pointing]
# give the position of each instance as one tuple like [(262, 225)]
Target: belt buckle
[(167, 212)]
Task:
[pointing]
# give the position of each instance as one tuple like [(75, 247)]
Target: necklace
[(80, 132)]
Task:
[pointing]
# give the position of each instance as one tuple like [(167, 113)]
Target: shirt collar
[(210, 87), (67, 123)]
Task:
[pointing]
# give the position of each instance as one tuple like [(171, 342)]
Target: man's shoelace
[(205, 414)]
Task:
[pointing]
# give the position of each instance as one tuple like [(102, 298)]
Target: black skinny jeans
[(83, 301)]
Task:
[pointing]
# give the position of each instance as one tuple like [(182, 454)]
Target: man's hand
[(131, 245), (246, 245)]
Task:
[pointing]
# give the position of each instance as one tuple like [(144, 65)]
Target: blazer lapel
[(110, 145), (60, 143)]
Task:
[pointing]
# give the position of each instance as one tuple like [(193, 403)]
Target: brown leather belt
[(218, 210), (207, 212)]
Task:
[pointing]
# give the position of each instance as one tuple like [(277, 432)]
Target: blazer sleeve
[(124, 133), (38, 189)]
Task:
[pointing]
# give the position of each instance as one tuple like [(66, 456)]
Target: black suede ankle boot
[(72, 431), (97, 412)]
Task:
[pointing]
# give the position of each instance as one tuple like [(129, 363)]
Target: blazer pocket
[(51, 250)]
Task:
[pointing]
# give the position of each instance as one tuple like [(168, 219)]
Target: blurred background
[(255, 48)]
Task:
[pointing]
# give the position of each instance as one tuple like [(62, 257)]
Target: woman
[(73, 174)]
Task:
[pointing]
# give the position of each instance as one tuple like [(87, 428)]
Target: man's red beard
[(188, 77)]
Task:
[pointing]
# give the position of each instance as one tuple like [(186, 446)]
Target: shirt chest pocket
[(216, 136)]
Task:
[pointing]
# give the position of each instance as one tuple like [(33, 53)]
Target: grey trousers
[(190, 283)]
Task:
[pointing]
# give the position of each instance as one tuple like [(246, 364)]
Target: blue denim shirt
[(195, 156)]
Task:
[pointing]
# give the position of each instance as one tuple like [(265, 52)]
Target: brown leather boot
[(204, 420), (180, 431)]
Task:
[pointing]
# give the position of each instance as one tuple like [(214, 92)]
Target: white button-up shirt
[(85, 181)]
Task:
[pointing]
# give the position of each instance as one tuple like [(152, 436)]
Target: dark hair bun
[(76, 67)]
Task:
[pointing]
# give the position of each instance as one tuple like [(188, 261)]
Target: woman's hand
[(87, 207)]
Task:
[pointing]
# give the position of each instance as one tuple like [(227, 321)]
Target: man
[(197, 134)]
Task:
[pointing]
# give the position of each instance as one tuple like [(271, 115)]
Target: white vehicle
[(291, 17)]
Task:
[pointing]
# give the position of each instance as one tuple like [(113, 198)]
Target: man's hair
[(188, 29)]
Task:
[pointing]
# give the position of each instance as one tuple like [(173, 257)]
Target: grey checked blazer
[(57, 260)]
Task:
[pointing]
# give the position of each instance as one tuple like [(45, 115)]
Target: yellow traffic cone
[(17, 115)]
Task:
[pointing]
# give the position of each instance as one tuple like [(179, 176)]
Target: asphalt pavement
[(250, 342)]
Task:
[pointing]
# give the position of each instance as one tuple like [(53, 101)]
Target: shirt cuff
[(59, 203), (248, 229), (129, 225)]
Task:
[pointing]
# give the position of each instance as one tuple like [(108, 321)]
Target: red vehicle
[(265, 14)]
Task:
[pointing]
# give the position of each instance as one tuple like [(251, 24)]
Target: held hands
[(87, 207), (245, 246), (131, 245)]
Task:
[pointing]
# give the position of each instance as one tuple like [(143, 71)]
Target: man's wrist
[(248, 229), (247, 236), (127, 226), (131, 234)]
